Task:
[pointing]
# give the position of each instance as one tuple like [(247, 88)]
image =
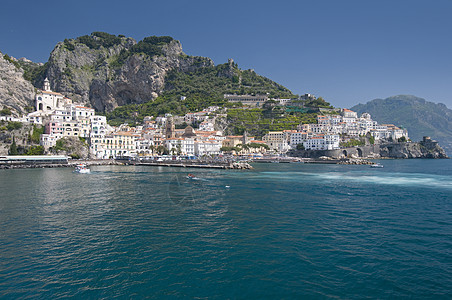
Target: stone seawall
[(372, 151), (169, 163)]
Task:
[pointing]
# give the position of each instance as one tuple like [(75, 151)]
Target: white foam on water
[(398, 179)]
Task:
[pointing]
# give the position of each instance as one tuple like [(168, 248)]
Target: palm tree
[(179, 149)]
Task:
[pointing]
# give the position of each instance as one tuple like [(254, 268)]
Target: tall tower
[(46, 85), (170, 130), (245, 138)]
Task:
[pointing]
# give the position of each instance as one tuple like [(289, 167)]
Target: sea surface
[(280, 231)]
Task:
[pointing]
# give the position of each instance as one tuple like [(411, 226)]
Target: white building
[(278, 140), (47, 100), (208, 147), (298, 138), (206, 126), (180, 146), (48, 141), (388, 132), (99, 126), (322, 142), (250, 100)]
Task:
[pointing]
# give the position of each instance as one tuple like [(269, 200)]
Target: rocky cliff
[(16, 93), (107, 71)]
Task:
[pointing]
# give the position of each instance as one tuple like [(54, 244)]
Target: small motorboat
[(191, 176), (82, 169), (377, 165)]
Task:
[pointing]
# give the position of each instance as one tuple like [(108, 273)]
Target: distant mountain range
[(418, 116)]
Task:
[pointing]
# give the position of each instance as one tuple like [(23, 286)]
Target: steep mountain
[(107, 71), (420, 117), (16, 93)]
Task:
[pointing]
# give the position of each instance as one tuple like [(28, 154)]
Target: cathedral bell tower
[(170, 130), (46, 85)]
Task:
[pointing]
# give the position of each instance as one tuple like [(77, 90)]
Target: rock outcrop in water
[(427, 148)]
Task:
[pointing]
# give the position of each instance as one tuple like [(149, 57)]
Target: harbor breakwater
[(238, 165), (195, 164)]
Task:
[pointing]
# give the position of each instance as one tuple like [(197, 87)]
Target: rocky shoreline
[(427, 148)]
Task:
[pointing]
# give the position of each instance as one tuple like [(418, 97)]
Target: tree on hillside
[(300, 146), (5, 111), (318, 102), (13, 148), (402, 139), (35, 150)]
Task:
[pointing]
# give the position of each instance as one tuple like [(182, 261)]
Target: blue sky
[(348, 51)]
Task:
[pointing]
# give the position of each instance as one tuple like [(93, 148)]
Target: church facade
[(47, 100)]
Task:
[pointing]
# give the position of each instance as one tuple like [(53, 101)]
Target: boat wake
[(395, 179)]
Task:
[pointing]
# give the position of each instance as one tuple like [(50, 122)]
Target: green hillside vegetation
[(318, 102), (9, 59), (419, 117), (214, 82), (149, 46), (33, 72), (259, 121), (202, 88), (95, 41)]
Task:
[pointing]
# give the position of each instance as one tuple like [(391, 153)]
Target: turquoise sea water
[(278, 231)]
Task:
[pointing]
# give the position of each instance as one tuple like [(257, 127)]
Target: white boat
[(82, 169), (377, 165)]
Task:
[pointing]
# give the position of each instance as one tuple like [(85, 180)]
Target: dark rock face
[(94, 76)]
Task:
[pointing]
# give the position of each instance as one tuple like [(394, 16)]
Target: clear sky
[(347, 51)]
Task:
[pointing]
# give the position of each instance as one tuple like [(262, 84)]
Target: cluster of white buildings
[(331, 130), (151, 139), (62, 118)]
